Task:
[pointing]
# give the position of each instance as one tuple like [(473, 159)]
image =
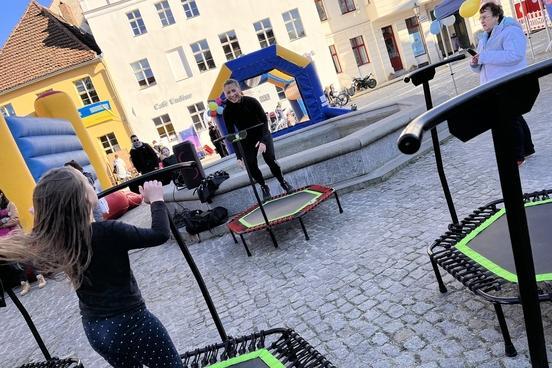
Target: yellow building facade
[(86, 85), (46, 53)]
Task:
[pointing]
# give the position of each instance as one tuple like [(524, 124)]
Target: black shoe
[(266, 193), (287, 187), (529, 153)]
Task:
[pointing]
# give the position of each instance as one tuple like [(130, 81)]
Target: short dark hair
[(75, 165), (4, 201), (134, 135), (496, 10)]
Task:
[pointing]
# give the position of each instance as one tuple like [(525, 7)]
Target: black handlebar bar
[(238, 135), (511, 95), (428, 72), (153, 175)]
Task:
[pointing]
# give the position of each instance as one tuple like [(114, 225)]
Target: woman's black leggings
[(269, 157), (132, 340)]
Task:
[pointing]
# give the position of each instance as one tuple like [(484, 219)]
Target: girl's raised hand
[(152, 191)]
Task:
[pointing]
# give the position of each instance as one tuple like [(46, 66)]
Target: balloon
[(469, 8), (212, 106), (435, 27), (449, 21), (214, 114), (218, 101), (220, 109)]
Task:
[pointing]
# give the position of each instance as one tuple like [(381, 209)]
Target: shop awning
[(447, 8)]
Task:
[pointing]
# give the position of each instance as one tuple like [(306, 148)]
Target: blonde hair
[(60, 241)]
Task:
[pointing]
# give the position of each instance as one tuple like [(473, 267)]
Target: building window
[(143, 73), (203, 56), (136, 22), (165, 13), (264, 31), (196, 112), (164, 127), (347, 6), (230, 45), (86, 91), (7, 110), (293, 23), (321, 10), (190, 8), (414, 33), (179, 64), (109, 143), (335, 58), (281, 93), (359, 50)]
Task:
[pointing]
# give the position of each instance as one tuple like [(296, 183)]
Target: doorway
[(392, 49)]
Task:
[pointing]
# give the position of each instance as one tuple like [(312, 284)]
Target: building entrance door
[(392, 49)]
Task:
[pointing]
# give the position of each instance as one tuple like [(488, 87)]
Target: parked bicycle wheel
[(342, 99)]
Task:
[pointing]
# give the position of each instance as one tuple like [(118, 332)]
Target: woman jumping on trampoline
[(242, 112), (94, 256)]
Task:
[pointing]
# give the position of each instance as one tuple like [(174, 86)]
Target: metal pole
[(259, 202), (528, 27), (545, 17), (438, 158), (199, 280), (521, 244), (30, 323)]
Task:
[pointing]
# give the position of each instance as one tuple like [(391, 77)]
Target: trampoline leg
[(234, 237), (442, 287), (274, 241), (304, 229), (244, 244), (509, 347), (338, 202)]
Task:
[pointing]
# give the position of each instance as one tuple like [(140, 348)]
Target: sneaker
[(287, 187), (266, 193), (25, 288), (529, 153), (41, 281)]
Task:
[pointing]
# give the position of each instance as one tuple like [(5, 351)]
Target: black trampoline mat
[(281, 207), (492, 248), (253, 363)]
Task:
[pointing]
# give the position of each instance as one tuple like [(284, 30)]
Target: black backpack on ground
[(206, 190), (197, 221)]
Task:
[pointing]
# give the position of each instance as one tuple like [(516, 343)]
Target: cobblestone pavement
[(362, 290)]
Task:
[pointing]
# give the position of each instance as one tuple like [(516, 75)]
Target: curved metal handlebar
[(428, 71), (238, 134), (506, 89), (153, 175)]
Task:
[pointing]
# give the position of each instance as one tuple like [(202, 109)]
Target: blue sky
[(12, 10)]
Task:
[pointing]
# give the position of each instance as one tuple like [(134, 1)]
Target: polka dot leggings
[(132, 340)]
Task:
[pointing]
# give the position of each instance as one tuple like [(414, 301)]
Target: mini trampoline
[(281, 209), (503, 250), (275, 348)]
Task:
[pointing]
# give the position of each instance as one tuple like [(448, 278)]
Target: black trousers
[(523, 144), (250, 153)]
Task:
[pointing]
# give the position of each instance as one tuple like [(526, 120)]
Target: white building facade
[(164, 55), (390, 37)]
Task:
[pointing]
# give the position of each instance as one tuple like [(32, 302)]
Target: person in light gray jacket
[(501, 51)]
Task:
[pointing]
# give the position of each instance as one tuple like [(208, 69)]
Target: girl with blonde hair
[(94, 256)]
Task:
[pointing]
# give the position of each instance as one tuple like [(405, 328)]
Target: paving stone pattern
[(362, 290)]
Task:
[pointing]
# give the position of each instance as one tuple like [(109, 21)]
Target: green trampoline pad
[(261, 358), (281, 207), (489, 244)]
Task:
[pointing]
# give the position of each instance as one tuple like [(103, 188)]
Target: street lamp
[(420, 29)]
